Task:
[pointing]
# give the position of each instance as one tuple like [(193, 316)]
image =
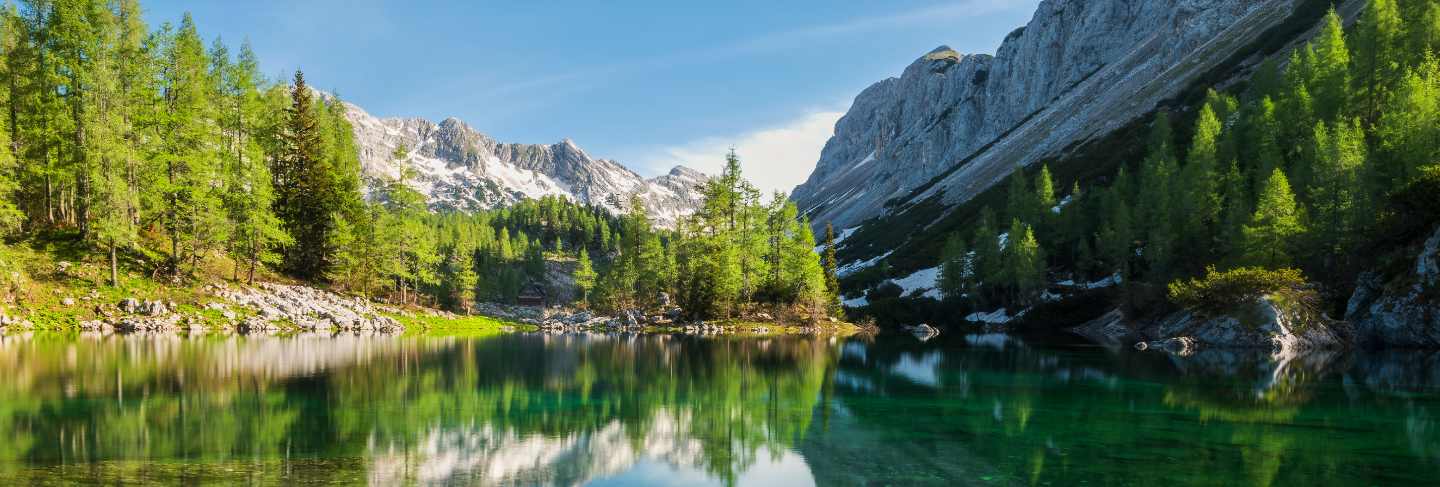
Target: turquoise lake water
[(610, 410)]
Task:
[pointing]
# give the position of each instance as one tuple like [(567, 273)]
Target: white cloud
[(774, 159)]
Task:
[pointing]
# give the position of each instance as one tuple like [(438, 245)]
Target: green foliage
[(1219, 290), (1275, 224)]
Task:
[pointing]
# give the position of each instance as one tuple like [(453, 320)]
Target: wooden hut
[(532, 294)]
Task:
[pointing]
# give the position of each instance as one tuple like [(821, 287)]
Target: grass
[(459, 326)]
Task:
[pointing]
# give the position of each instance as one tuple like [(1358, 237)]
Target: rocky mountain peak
[(952, 125), (460, 168)]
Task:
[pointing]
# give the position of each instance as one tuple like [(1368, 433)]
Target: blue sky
[(650, 84)]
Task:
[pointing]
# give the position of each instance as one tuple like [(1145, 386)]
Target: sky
[(649, 84)]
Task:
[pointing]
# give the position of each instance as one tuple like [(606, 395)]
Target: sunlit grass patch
[(468, 326)]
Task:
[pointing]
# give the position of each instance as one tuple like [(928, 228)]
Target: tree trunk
[(114, 265)]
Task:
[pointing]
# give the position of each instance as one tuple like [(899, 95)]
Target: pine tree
[(309, 196), (1423, 30), (1408, 132), (1335, 192), (1020, 202), (1331, 70), (1274, 226), (1265, 152), (1156, 204), (584, 274), (249, 195), (1024, 267), (955, 273), (1115, 237), (1043, 201), (111, 200), (419, 255), (1199, 205), (193, 215), (1380, 33), (1235, 204), (987, 265)]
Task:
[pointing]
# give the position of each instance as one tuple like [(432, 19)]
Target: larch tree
[(193, 213), (584, 274), (1273, 228), (1380, 36), (1331, 70)]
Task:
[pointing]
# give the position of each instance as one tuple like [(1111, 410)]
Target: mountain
[(461, 168), (952, 125)]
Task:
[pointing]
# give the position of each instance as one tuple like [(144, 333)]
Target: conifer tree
[(1115, 237), (830, 265), (1024, 272), (1408, 131), (1155, 209), (1423, 30), (1331, 70), (1020, 201), (1199, 205), (1380, 34), (987, 266), (954, 268), (249, 195), (193, 213), (1274, 226), (1335, 192), (584, 274)]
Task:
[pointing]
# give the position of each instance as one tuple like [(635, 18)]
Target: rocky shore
[(266, 308), (270, 308), (568, 320)]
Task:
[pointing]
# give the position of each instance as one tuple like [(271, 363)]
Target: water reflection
[(661, 410)]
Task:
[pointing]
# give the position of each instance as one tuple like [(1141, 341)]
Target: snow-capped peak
[(460, 168)]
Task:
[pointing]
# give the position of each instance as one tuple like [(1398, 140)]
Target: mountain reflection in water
[(526, 409)]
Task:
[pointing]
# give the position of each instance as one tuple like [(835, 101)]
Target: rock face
[(460, 168), (953, 124), (1403, 313), (1262, 324)]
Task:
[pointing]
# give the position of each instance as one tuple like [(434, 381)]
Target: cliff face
[(952, 125), (460, 168)]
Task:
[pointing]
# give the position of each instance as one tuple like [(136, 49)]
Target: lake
[(531, 409)]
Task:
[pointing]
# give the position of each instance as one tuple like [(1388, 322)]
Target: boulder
[(129, 305)]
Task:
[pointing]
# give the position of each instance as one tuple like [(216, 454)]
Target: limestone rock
[(952, 124), (1403, 313), (1262, 324)]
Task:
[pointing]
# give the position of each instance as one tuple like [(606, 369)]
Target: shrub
[(1222, 290)]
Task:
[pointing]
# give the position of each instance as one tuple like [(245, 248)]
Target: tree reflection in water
[(626, 409)]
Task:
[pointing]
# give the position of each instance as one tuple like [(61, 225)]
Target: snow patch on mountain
[(459, 168)]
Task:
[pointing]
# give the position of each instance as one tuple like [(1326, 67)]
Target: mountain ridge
[(952, 125), (460, 168)]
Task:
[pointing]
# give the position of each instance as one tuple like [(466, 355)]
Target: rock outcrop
[(1263, 324), (458, 167), (307, 309), (952, 125), (1402, 313)]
